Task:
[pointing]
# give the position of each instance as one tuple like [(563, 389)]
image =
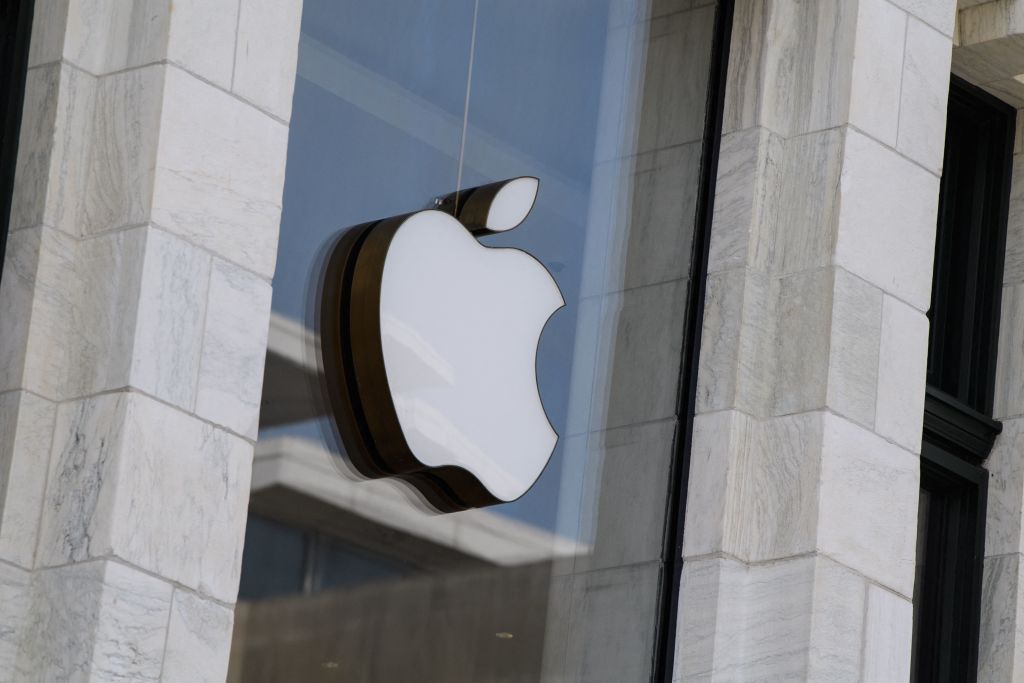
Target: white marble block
[(262, 49), (853, 362), (103, 36), (888, 632), (887, 222), (902, 365), (122, 147), (795, 619), (1013, 267), (1000, 656), (198, 639), (219, 172), (14, 603), (867, 515), (939, 14), (878, 69), (1005, 506), (59, 289), (923, 98), (169, 321), (123, 463), (53, 148), (234, 346), (202, 38), (757, 494), (26, 426), (1009, 393), (99, 620)]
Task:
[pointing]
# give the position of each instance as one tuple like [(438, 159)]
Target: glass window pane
[(341, 564), (396, 105), (274, 560)]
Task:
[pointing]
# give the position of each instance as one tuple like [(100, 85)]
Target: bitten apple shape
[(434, 338)]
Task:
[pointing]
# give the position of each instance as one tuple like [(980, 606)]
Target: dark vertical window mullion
[(998, 208), (949, 547), (663, 654), (15, 33), (969, 390)]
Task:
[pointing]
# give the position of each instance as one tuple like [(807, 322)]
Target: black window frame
[(959, 430), (952, 577), (15, 36), (664, 660), (974, 193)]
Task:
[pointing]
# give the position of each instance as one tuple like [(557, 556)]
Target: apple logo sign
[(429, 348)]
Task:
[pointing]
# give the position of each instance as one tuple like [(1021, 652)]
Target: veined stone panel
[(887, 223), (887, 636), (795, 619), (14, 610), (122, 462), (198, 639), (219, 183), (169, 322), (53, 148), (902, 360), (100, 620), (1002, 614), (264, 68), (137, 169), (878, 55), (925, 79), (804, 480), (26, 426), (234, 346)]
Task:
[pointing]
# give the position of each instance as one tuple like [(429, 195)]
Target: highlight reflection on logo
[(429, 349)]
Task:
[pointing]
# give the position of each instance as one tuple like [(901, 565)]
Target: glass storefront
[(397, 104)]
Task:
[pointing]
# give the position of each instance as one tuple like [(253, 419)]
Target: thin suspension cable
[(465, 108)]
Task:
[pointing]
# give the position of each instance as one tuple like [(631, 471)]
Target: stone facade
[(137, 282), (802, 507), (136, 297)]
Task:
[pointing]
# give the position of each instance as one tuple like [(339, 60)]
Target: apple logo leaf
[(492, 208), (429, 348)]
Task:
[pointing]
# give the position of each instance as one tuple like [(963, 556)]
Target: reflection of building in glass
[(358, 547), (323, 560), (288, 471)]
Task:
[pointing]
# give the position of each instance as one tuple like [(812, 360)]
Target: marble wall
[(802, 507), (136, 301), (136, 295)]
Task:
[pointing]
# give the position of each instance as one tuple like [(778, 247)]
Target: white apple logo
[(437, 347)]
